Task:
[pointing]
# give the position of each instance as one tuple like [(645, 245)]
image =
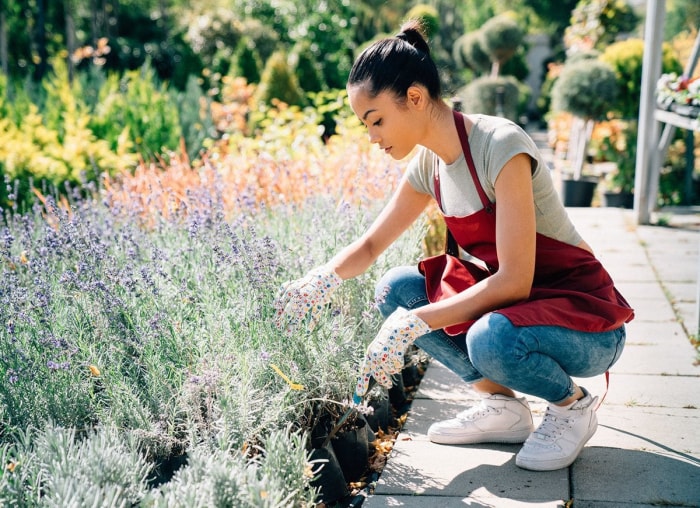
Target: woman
[(540, 308)]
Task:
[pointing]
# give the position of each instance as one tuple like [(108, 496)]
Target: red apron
[(570, 287)]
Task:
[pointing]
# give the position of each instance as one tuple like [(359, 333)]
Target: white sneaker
[(560, 437), (496, 419)]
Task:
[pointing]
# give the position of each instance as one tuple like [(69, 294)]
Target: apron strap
[(464, 139)]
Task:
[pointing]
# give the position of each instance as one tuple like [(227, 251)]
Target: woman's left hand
[(385, 355)]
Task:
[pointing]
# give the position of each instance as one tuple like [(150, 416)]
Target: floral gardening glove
[(305, 296), (385, 355)]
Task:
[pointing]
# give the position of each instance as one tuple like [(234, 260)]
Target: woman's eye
[(377, 123)]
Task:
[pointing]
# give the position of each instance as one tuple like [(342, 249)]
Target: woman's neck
[(441, 135)]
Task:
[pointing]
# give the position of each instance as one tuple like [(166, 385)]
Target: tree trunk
[(70, 37), (495, 68), (40, 40), (581, 131), (4, 63)]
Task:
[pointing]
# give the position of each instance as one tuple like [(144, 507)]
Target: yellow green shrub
[(31, 150)]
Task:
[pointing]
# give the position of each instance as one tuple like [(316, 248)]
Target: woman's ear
[(416, 97)]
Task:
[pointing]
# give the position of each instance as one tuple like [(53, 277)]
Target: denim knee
[(401, 286), (487, 344)]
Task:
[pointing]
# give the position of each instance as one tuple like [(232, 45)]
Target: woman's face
[(390, 124)]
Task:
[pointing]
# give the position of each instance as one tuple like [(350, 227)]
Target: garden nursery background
[(166, 165)]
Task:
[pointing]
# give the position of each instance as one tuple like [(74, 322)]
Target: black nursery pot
[(381, 414), (397, 394), (330, 479), (578, 193), (351, 448), (410, 375), (619, 199)]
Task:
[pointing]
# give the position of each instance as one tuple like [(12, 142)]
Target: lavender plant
[(161, 326)]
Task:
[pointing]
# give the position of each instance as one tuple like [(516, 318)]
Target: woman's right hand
[(304, 299)]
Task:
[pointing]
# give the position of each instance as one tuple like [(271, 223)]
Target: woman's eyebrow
[(364, 117)]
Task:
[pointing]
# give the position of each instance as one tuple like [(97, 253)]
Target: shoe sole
[(553, 465), (484, 437)]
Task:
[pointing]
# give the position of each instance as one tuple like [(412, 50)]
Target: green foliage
[(554, 13), (195, 117), (682, 16), (626, 58), (306, 70), (138, 106), (586, 89), (275, 479), (246, 62), (56, 467), (35, 154), (469, 52), (428, 17), (598, 23), (279, 82), (500, 37), (213, 35), (481, 96), (492, 46)]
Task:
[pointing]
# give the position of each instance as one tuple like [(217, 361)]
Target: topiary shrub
[(501, 37), (587, 89), (278, 82), (469, 52), (481, 96), (429, 18)]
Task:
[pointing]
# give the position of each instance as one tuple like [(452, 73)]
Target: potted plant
[(586, 88), (618, 144)]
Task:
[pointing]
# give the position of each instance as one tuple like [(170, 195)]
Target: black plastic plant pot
[(380, 416), (352, 450), (321, 429), (397, 394), (578, 193), (329, 478), (410, 375)]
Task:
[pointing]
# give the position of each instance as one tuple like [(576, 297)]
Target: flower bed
[(139, 362)]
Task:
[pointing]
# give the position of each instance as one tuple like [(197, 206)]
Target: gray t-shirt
[(493, 142)]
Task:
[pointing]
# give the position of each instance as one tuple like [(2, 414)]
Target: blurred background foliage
[(89, 87)]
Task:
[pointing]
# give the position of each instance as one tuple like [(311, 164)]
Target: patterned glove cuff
[(327, 275), (410, 320)]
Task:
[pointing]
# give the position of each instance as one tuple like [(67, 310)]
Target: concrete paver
[(647, 449)]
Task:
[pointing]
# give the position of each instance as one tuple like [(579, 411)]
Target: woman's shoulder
[(487, 125)]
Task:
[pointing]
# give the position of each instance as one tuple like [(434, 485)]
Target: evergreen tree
[(279, 82), (306, 69), (246, 62)]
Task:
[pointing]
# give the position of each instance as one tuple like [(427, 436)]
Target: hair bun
[(412, 33)]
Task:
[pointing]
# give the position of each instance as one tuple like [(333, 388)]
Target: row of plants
[(76, 131), (594, 117), (679, 93), (140, 364)]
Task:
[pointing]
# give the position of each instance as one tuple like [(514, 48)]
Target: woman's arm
[(404, 207), (515, 244)]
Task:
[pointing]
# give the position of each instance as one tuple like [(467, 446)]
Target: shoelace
[(552, 426), (474, 412)]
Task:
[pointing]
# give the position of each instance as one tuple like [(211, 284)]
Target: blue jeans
[(536, 360)]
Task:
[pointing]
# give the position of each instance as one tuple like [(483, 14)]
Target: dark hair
[(396, 63)]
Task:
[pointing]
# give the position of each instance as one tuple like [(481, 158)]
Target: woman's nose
[(373, 137)]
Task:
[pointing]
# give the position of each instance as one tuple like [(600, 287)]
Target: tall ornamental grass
[(138, 356)]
